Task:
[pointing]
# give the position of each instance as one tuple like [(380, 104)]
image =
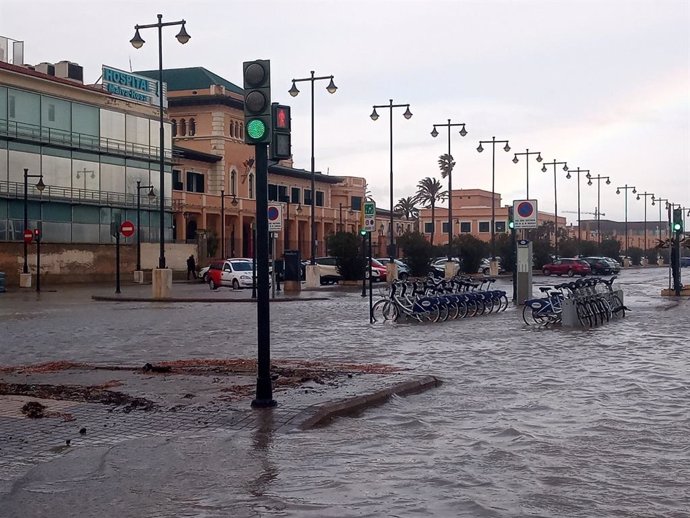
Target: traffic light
[(511, 221), (257, 101), (362, 232), (678, 220), (37, 234), (281, 125)]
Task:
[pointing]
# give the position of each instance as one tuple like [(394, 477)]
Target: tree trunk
[(433, 223)]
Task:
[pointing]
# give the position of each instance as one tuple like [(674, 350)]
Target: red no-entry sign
[(28, 235), (127, 228)]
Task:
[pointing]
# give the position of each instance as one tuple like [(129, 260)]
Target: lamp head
[(182, 36), (480, 148), (293, 91), (515, 159), (331, 87), (374, 116), (608, 181), (298, 210), (638, 196), (618, 191), (539, 158), (653, 202), (565, 167), (408, 113), (506, 148), (588, 175), (234, 201), (543, 168), (568, 175), (634, 191), (434, 133), (40, 185), (137, 41), (151, 194), (589, 182), (463, 131)]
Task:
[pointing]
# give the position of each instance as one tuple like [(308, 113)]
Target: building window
[(241, 130), (11, 106), (251, 185), (500, 226), (465, 227), (295, 195), (195, 182), (307, 196), (319, 199), (428, 228), (51, 112), (173, 124), (356, 202), (177, 184), (192, 127), (237, 129), (233, 179), (183, 127), (444, 227), (484, 226), (282, 192), (272, 192), (232, 129)]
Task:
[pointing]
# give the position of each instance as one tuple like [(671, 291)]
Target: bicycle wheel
[(583, 315), (462, 309), (453, 310), (617, 307), (383, 310)]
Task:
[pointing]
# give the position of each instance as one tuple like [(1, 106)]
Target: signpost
[(275, 218), (369, 216), (126, 228), (525, 214), (28, 236)]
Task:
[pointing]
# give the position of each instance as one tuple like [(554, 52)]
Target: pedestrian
[(191, 267)]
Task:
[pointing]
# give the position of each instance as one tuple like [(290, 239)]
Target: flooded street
[(527, 422)]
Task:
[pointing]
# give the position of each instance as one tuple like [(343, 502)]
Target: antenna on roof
[(130, 64)]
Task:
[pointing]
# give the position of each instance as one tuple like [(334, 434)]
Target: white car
[(233, 273)]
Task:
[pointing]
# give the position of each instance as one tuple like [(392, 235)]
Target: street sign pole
[(117, 262), (371, 302)]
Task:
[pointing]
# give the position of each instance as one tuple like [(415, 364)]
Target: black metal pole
[(371, 280), (254, 254), (26, 220), (555, 211), (579, 221), (264, 388), (514, 262), (599, 213), (450, 197), (391, 250), (493, 199), (38, 257), (313, 179), (138, 228), (117, 261), (222, 223), (161, 258), (626, 221), (366, 268), (527, 162)]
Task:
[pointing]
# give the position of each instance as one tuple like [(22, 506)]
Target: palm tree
[(406, 206), (367, 193), (446, 164), (429, 192)]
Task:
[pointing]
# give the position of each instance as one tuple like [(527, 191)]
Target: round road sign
[(525, 209), (273, 213), (127, 228), (28, 235)]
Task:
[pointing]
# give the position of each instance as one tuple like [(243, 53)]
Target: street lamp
[(506, 148), (340, 214), (137, 43), (598, 178), (374, 116), (234, 203), (626, 188), (579, 221), (298, 210), (644, 195), (39, 187), (451, 164), (654, 200), (151, 194), (554, 163), (527, 154), (331, 88)]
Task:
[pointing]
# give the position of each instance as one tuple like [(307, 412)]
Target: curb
[(319, 415), (99, 298)]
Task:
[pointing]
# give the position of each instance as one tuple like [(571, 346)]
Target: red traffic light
[(37, 233), (282, 117)]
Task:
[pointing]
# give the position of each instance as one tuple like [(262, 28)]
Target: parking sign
[(369, 216)]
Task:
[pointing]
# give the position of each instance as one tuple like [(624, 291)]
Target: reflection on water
[(262, 438)]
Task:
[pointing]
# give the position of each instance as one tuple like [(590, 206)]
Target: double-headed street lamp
[(579, 221), (506, 148), (331, 88), (527, 154), (598, 178), (151, 194), (451, 164), (39, 187), (645, 195), (234, 203), (626, 188), (554, 163), (374, 116), (137, 43)]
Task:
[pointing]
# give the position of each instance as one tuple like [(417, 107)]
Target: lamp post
[(645, 195), (579, 221), (554, 163), (39, 186), (137, 43), (506, 148), (298, 210), (527, 154), (451, 164), (331, 88), (151, 194), (374, 116), (222, 217), (659, 200), (626, 188), (598, 178)]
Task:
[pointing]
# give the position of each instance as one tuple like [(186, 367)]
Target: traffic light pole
[(371, 280), (264, 388)]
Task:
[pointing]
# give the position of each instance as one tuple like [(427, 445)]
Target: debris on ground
[(34, 410)]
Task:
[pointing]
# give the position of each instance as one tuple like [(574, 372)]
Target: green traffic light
[(256, 129), (511, 225), (677, 227), (362, 232)]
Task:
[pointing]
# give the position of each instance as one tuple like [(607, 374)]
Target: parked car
[(235, 273), (328, 270), (567, 266), (403, 269), (203, 274), (378, 271), (438, 266), (684, 261), (602, 265), (485, 266)]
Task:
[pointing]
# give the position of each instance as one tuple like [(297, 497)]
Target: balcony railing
[(49, 136)]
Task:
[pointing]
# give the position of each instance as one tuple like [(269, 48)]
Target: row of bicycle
[(594, 302), (438, 300)]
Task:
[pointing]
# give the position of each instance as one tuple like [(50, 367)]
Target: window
[(295, 195), (465, 227), (445, 227), (319, 199), (307, 196), (233, 179), (183, 127), (195, 182), (282, 192), (428, 228), (51, 112), (500, 226), (251, 185), (174, 127), (241, 130), (232, 129), (177, 181), (356, 202), (192, 127), (484, 226), (272, 192)]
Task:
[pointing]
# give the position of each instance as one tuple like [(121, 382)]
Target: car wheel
[(570, 273), (403, 276), (212, 284), (205, 277), (235, 284), (486, 271), (546, 272)]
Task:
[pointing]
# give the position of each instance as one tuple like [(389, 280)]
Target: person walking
[(191, 267)]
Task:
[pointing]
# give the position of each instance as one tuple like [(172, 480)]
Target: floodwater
[(528, 422)]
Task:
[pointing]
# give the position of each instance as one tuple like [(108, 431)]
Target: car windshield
[(242, 266), (374, 262)]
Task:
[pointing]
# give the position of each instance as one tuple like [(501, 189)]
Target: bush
[(417, 252), (635, 254), (541, 250), (610, 248), (471, 252), (652, 255), (347, 250)]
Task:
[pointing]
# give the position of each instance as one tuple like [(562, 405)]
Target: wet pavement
[(527, 422)]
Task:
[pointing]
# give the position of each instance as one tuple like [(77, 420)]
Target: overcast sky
[(601, 84)]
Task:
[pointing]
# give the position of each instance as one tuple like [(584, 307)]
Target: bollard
[(2, 282)]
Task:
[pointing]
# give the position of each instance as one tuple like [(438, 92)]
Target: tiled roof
[(192, 78)]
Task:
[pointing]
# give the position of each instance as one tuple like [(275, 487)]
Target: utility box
[(292, 271), (524, 270)]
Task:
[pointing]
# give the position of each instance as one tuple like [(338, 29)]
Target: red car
[(568, 267), (378, 271)]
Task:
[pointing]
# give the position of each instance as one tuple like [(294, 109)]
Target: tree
[(610, 248), (635, 254), (346, 248), (406, 207), (446, 164), (417, 252), (471, 252), (429, 192)]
